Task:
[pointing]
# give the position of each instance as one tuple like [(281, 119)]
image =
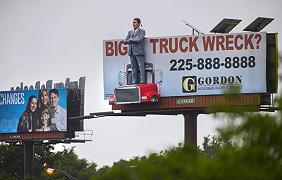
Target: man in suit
[(135, 40)]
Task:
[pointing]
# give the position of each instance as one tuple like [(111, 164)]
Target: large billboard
[(33, 111), (193, 65)]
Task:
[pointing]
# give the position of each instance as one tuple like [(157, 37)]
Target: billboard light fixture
[(225, 25), (258, 24), (194, 29)]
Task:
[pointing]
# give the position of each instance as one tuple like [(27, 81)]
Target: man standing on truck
[(135, 40)]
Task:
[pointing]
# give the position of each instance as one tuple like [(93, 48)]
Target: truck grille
[(127, 95)]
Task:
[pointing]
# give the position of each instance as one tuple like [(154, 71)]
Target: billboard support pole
[(28, 159), (190, 127)]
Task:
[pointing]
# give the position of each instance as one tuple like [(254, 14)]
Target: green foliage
[(248, 150), (248, 147), (11, 163), (257, 144), (68, 161)]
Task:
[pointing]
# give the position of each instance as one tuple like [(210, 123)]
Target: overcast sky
[(56, 39)]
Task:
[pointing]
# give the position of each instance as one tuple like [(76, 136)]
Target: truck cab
[(128, 93)]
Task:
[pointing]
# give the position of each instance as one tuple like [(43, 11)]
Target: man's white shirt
[(61, 116)]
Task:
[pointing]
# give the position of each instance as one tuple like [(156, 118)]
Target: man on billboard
[(135, 41), (58, 113)]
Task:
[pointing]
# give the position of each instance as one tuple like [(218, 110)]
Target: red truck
[(136, 93)]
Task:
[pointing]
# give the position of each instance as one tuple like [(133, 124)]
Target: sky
[(56, 39)]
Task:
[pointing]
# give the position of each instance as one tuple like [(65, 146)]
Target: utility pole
[(28, 159), (190, 127)]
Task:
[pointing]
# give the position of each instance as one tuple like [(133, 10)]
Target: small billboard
[(193, 65), (33, 111)]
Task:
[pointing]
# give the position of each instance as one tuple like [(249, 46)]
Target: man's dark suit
[(135, 41)]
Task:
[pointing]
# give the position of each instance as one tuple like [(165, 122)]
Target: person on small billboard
[(28, 118), (58, 113)]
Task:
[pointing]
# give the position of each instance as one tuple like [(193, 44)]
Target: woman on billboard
[(43, 104), (27, 120), (44, 101)]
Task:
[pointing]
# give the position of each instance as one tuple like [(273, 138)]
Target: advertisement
[(192, 65), (33, 111)]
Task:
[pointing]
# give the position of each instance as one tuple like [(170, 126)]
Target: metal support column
[(190, 127), (28, 160)]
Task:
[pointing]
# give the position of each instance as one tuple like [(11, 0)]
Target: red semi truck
[(128, 93)]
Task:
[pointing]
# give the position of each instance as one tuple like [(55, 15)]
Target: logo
[(186, 101), (189, 84)]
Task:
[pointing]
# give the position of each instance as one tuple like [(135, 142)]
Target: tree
[(11, 162), (69, 162)]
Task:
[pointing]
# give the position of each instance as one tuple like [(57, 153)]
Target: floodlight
[(225, 25), (258, 24)]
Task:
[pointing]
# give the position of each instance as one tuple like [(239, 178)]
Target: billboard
[(33, 111), (193, 65)]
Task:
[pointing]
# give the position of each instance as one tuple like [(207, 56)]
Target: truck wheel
[(155, 99)]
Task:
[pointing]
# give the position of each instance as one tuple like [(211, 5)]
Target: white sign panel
[(193, 65)]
